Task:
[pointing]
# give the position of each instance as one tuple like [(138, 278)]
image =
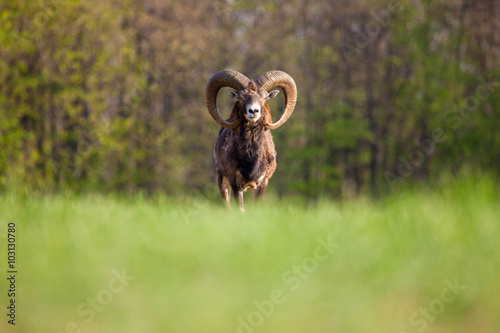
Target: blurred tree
[(109, 95)]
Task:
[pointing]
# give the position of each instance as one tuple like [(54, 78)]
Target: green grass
[(199, 268)]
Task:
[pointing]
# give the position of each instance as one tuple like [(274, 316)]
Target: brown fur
[(245, 157)]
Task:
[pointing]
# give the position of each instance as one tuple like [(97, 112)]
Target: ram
[(244, 152)]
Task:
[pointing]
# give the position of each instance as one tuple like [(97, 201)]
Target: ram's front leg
[(225, 190), (238, 193), (240, 200)]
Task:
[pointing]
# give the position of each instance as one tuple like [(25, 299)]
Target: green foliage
[(109, 96)]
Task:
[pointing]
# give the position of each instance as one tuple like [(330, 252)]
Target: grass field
[(417, 261)]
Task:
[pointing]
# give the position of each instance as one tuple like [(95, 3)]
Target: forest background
[(109, 95)]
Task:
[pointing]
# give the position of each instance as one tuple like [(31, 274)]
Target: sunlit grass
[(200, 268)]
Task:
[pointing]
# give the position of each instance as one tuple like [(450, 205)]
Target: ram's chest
[(245, 155), (250, 159), (251, 168)]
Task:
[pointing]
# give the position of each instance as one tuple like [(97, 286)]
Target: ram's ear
[(273, 94), (232, 93)]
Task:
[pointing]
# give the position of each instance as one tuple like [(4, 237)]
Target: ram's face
[(253, 104), (252, 101)]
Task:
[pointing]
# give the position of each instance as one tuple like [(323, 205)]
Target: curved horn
[(284, 81), (225, 78)]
